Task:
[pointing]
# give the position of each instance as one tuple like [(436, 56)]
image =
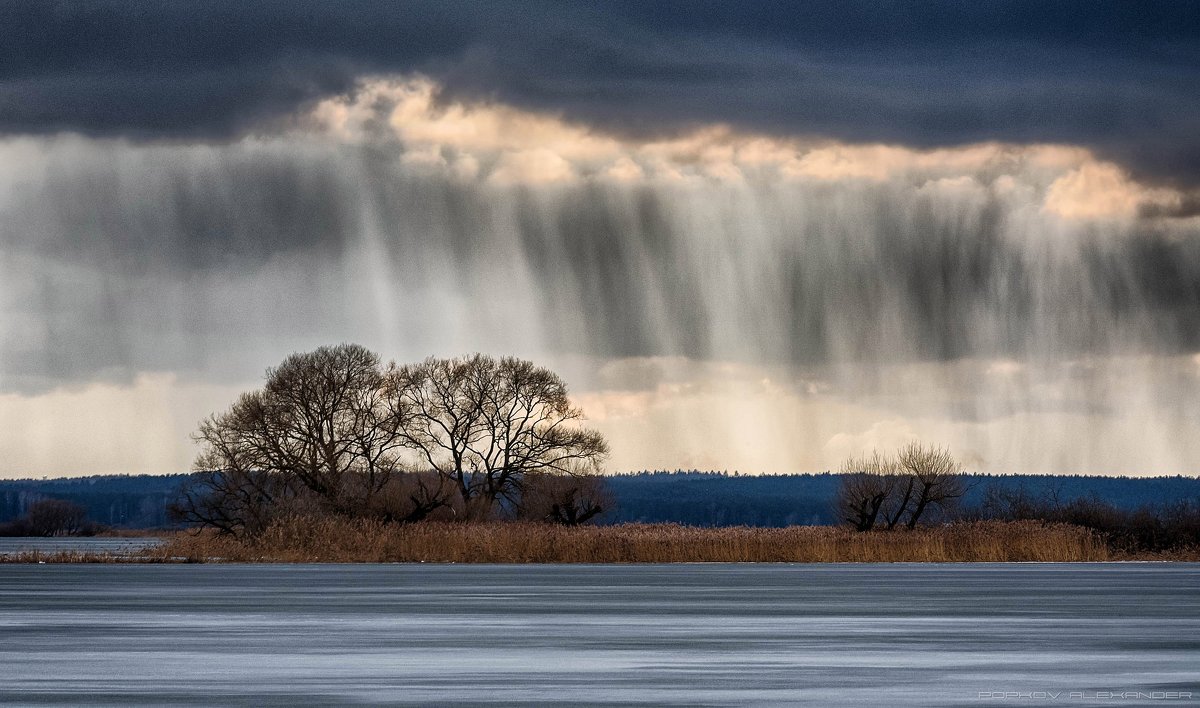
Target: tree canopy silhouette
[(334, 431)]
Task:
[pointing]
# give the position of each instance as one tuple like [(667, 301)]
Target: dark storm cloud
[(1121, 77), (1187, 207)]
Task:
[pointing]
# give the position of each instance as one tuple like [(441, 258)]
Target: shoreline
[(93, 559), (359, 541)]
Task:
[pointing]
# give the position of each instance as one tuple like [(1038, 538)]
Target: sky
[(759, 237)]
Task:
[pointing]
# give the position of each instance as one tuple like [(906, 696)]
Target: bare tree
[(236, 500), (412, 496), (55, 517), (332, 427), (879, 491), (233, 490), (485, 424), (935, 479), (569, 500), (898, 504), (1014, 504), (321, 420), (867, 483)]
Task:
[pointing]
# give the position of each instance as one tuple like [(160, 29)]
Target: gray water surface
[(917, 635)]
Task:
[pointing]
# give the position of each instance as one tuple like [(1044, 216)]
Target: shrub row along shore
[(304, 540)]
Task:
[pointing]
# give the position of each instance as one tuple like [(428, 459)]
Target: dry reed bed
[(84, 557), (361, 541)]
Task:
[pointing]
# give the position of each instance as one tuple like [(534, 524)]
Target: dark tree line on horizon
[(334, 431)]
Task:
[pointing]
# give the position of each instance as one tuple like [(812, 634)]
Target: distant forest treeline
[(123, 501), (685, 496)]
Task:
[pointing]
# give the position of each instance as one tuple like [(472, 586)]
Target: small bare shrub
[(569, 500)]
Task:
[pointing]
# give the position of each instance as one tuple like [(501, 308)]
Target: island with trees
[(341, 457)]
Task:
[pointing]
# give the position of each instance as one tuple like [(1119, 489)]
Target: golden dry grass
[(363, 541)]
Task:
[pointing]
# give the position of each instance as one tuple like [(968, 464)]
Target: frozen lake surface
[(83, 544), (917, 635)]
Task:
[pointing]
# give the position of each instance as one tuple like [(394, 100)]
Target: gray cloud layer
[(124, 258), (719, 301), (1120, 77)]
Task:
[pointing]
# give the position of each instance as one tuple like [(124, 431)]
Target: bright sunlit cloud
[(521, 147)]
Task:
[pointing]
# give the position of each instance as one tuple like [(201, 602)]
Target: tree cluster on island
[(51, 517), (336, 432)]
